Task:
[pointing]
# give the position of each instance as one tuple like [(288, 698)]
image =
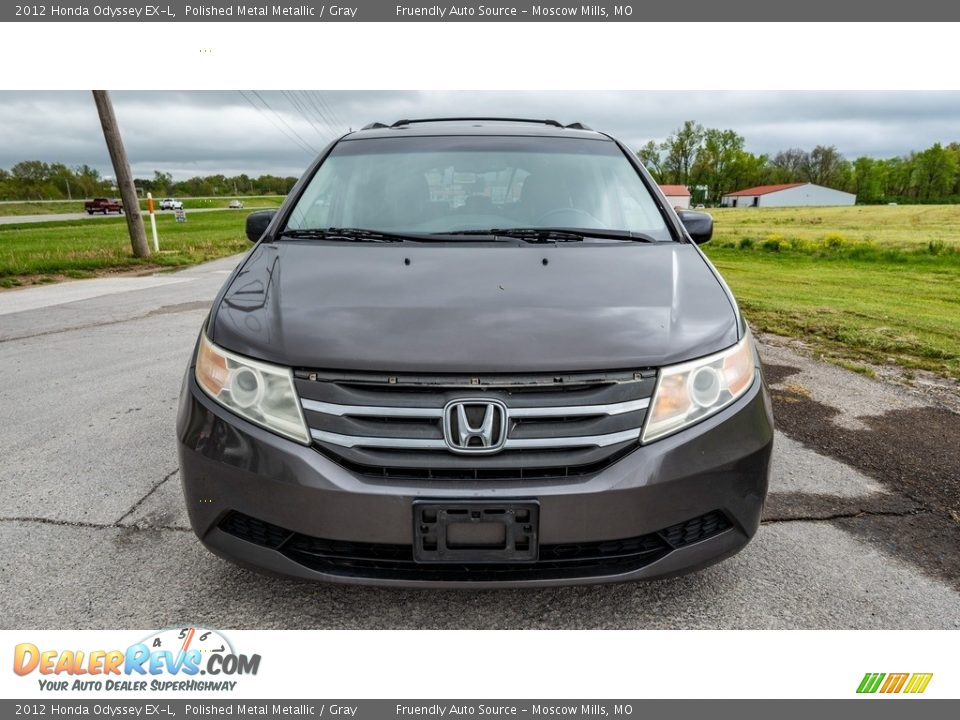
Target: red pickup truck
[(103, 205)]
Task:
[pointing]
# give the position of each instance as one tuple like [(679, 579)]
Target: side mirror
[(698, 224), (258, 222)]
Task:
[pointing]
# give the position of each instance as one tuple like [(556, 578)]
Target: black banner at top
[(858, 11)]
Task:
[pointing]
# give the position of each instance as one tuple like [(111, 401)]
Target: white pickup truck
[(171, 204)]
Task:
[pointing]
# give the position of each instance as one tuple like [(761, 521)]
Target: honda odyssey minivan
[(477, 353)]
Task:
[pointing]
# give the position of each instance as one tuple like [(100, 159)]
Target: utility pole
[(118, 156)]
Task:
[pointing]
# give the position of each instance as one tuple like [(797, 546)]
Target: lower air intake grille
[(253, 530), (699, 528), (395, 562)]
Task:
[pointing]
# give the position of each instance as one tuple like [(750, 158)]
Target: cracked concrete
[(90, 502), (150, 492), (842, 516)]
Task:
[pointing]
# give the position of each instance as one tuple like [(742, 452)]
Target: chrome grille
[(556, 425)]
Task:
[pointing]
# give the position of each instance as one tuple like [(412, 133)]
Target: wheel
[(89, 212)]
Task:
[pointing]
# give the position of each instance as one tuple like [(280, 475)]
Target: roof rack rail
[(374, 126), (401, 123)]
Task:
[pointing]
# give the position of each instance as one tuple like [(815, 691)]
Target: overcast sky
[(201, 133)]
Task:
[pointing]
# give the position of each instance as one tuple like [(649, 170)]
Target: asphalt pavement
[(95, 535)]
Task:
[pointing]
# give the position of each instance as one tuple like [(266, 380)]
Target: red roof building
[(762, 190), (788, 195), (677, 195)]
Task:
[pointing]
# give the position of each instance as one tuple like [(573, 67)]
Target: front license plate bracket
[(475, 531)]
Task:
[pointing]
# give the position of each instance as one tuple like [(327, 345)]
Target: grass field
[(42, 252), (76, 206), (888, 227), (864, 286)]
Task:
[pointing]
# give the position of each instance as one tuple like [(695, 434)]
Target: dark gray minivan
[(475, 352)]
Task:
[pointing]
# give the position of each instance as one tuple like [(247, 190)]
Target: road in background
[(16, 219), (95, 534)]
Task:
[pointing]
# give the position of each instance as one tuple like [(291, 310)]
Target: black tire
[(89, 212)]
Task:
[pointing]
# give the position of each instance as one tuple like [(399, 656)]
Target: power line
[(330, 110), (317, 112), (323, 107), (303, 146), (304, 113), (283, 120), (299, 139)]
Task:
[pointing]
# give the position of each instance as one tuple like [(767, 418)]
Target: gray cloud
[(197, 133)]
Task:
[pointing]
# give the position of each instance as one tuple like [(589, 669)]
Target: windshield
[(463, 183)]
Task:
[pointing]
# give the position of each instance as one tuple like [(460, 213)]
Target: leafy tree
[(788, 166), (681, 149), (825, 166), (162, 182), (716, 158), (649, 155), (869, 178), (935, 171)]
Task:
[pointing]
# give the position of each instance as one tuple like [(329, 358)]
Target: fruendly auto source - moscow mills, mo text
[(112, 12)]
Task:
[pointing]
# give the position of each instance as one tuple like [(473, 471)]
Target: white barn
[(677, 195), (787, 195)]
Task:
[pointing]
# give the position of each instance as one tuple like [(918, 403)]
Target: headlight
[(689, 392), (257, 391)]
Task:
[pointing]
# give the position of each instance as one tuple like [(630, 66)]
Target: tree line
[(709, 161), (712, 162), (36, 180)]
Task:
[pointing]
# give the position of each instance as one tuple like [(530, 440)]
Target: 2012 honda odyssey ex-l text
[(475, 352)]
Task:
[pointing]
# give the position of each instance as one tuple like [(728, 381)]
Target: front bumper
[(232, 468)]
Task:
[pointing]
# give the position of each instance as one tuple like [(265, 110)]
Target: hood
[(469, 308)]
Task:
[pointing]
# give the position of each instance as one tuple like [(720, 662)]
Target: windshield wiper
[(365, 235), (559, 234), (345, 234)]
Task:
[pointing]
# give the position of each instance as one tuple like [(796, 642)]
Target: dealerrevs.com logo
[(168, 660), (892, 683)]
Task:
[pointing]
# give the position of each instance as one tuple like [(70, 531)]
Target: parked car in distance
[(475, 353), (102, 205), (236, 205), (171, 204)]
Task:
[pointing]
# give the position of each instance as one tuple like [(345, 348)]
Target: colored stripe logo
[(913, 683)]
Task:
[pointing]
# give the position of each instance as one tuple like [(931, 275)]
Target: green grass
[(75, 206), (81, 248), (864, 285), (905, 227), (852, 312)]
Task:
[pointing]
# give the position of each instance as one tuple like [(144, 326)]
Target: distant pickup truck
[(103, 205), (171, 204)]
